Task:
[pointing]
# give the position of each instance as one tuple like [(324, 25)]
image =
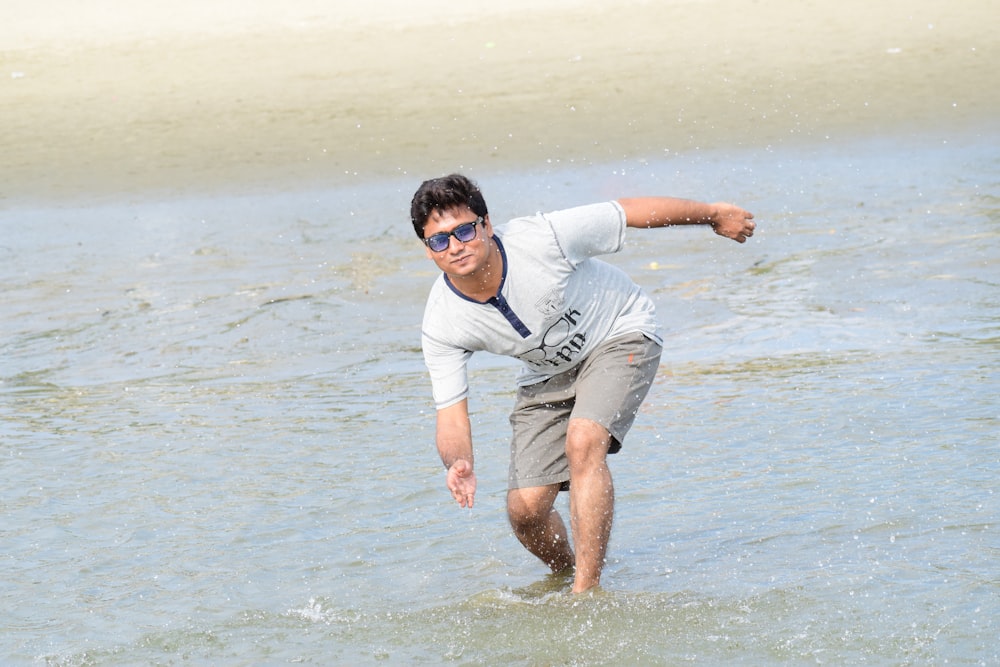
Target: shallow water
[(217, 436)]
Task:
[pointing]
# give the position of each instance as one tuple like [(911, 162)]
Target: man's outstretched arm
[(726, 220), (454, 443)]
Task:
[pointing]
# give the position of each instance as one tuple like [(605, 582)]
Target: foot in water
[(557, 582)]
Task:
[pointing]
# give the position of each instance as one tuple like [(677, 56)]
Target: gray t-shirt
[(555, 305)]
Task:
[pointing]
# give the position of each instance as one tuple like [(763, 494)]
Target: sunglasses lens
[(466, 232), (438, 242)]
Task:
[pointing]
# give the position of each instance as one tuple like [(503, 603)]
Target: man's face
[(459, 259)]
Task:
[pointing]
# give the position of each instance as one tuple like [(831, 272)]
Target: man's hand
[(462, 482), (733, 222)]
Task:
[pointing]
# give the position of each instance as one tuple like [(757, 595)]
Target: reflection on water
[(217, 432)]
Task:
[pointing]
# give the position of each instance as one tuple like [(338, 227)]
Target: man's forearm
[(647, 212), (451, 452), (454, 434)]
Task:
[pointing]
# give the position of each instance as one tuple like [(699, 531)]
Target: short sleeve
[(448, 368), (589, 231)]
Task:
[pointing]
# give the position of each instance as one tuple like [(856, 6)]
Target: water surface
[(217, 435)]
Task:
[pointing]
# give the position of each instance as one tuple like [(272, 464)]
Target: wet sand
[(272, 96)]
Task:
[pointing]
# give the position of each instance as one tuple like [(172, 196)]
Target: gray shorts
[(607, 387)]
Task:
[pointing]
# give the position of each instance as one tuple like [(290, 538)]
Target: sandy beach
[(134, 98)]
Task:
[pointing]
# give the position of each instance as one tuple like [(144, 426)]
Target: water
[(217, 437)]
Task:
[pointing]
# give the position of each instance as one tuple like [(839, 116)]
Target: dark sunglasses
[(464, 233)]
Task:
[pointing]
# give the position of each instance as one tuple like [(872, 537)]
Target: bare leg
[(591, 499), (538, 526)]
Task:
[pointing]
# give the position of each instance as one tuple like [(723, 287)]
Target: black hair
[(444, 194)]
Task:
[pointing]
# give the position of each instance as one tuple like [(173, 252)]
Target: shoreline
[(275, 106)]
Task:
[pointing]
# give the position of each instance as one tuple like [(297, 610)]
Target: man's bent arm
[(454, 444), (726, 219)]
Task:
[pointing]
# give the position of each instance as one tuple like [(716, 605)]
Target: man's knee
[(587, 443), (530, 507)]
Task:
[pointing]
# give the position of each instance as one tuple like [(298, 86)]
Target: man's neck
[(484, 284)]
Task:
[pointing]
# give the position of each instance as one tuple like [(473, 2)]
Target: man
[(587, 336)]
